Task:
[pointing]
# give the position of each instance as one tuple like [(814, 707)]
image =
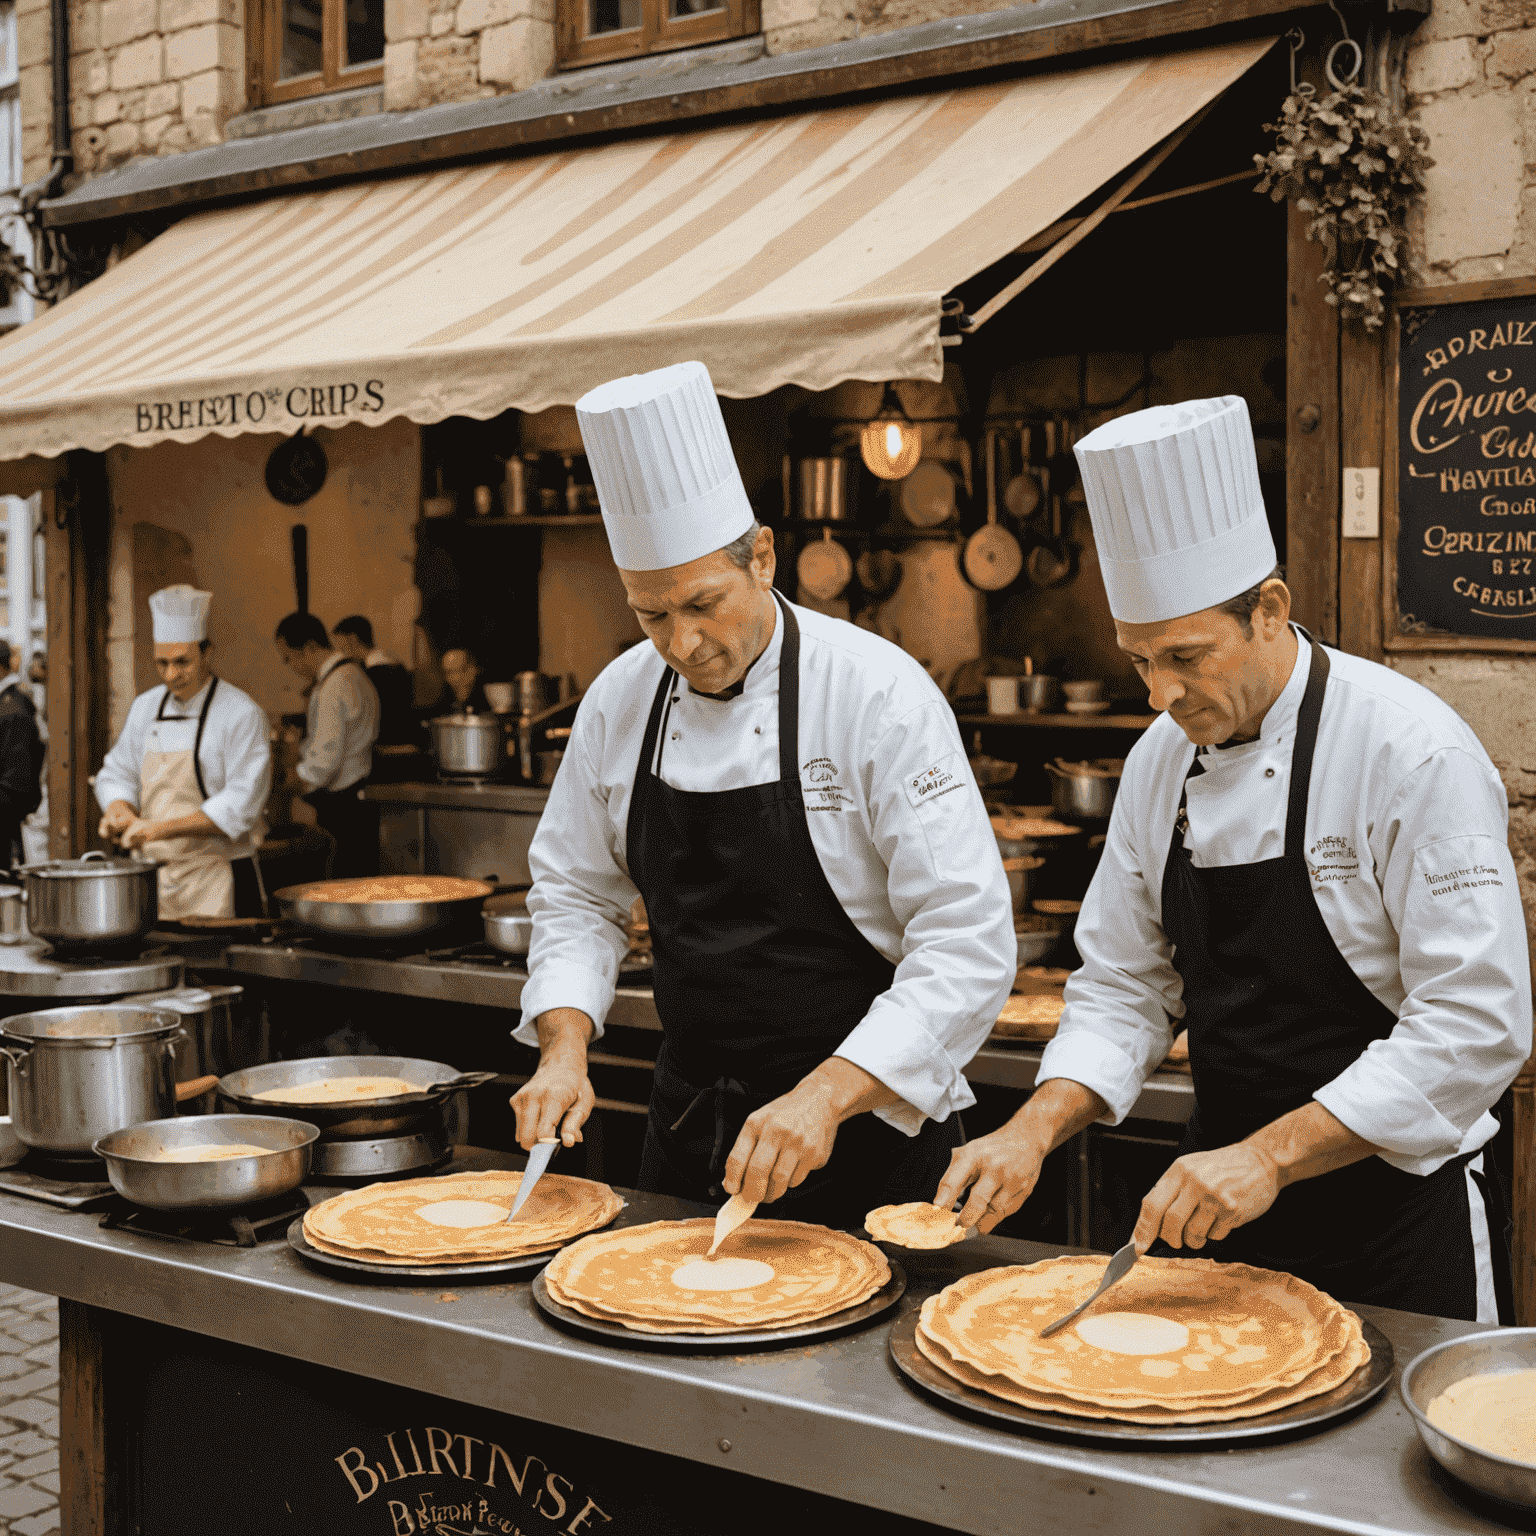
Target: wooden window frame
[(264, 53), (657, 32), (1393, 641)]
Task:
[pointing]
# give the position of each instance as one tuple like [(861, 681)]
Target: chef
[(187, 781), (1307, 869), (830, 919)]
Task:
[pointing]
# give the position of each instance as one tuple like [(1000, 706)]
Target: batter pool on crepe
[(646, 1278), (458, 1218), (338, 1090), (1176, 1337), (914, 1225)]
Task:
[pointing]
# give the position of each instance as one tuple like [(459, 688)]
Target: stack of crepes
[(658, 1278), (460, 1218), (1178, 1341)]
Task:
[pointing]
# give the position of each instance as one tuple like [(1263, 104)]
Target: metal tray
[(409, 1274), (762, 1338), (1367, 1383)]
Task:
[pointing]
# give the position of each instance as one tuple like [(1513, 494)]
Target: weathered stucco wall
[(202, 512), (1472, 81)]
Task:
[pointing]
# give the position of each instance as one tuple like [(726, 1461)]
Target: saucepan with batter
[(208, 1162), (384, 907), (351, 1097)]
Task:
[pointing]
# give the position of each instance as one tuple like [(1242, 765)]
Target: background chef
[(831, 924), (1307, 864), (187, 781)]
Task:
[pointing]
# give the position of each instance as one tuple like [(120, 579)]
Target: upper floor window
[(15, 304), (308, 47), (590, 31)]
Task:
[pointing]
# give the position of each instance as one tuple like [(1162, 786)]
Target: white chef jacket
[(236, 757), (894, 814), (1407, 845), (343, 725)]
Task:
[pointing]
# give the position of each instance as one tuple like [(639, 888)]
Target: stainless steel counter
[(833, 1418)]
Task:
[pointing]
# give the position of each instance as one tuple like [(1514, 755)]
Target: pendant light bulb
[(891, 444)]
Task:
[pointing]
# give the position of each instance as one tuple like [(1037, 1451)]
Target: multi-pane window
[(309, 47), (593, 30), (15, 305)]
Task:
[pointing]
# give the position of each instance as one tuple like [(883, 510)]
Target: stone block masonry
[(29, 1413)]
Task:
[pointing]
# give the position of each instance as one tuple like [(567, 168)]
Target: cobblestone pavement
[(29, 1413)]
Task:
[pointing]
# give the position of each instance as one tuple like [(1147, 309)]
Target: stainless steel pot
[(91, 901), (404, 1114), (75, 1074), (824, 490), (13, 915), (468, 745), (138, 1176), (508, 927), (1084, 796)]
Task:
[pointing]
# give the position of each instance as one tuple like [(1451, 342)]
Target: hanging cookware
[(1053, 561), (824, 567), (879, 572), (139, 1171), (824, 490), (1023, 493), (992, 558), (927, 495), (1062, 463), (89, 902), (75, 1074)]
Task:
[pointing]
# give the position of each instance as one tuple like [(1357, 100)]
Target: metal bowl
[(1443, 1365), (404, 1114), (381, 920), (236, 1181), (508, 926)]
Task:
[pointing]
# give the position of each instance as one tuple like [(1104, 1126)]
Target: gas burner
[(103, 954), (74, 1183), (245, 1228), (478, 954)]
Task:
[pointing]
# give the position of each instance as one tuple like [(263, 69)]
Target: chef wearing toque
[(830, 919), (1307, 869), (187, 781)]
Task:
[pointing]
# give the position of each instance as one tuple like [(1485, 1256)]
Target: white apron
[(195, 875)]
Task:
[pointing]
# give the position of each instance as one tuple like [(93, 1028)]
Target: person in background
[(353, 638), (187, 780), (464, 693), (34, 830), (343, 725), (21, 758)]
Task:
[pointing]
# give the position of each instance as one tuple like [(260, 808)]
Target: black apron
[(760, 976), (1274, 1013)]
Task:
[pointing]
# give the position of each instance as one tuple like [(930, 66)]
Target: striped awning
[(805, 250)]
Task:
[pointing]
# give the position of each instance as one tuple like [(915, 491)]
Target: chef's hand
[(137, 833), (558, 1098), (1000, 1170), (1205, 1195), (119, 816), (784, 1142)]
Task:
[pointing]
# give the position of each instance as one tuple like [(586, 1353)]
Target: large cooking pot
[(468, 745), (138, 1175), (76, 1074), (402, 1115), (92, 901)]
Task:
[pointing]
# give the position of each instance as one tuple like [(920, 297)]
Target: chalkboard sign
[(1466, 468)]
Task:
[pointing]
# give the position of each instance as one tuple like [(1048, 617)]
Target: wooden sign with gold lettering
[(1466, 465)]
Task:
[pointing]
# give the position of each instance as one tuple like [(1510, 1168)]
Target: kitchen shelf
[(554, 520), (1072, 722)]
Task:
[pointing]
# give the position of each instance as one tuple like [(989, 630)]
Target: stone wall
[(1472, 81)]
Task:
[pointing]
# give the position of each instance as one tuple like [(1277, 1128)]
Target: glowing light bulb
[(891, 445)]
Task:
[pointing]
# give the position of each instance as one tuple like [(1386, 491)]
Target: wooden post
[(1362, 423), (1522, 1243), (1311, 435), (83, 1481), (60, 587)]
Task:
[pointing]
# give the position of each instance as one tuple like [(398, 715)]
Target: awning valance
[(803, 250)]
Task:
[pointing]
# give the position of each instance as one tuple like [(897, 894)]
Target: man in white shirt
[(338, 745), (831, 927), (1308, 866), (187, 780)]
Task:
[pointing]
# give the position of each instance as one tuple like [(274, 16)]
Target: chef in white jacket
[(1308, 869), (830, 920), (187, 781)]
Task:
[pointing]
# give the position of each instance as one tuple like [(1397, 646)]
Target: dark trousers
[(353, 825)]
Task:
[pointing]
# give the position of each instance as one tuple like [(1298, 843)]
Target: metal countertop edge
[(691, 1429)]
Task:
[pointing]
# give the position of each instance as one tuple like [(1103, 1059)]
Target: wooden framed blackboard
[(1460, 478)]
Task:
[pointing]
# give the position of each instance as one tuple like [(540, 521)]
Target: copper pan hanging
[(992, 558)]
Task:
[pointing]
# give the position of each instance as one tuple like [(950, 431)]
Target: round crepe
[(1033, 1015), (626, 1276), (1335, 1373), (381, 1223), (1251, 1331), (917, 1225)]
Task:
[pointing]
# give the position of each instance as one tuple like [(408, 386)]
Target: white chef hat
[(1177, 512), (179, 614), (663, 467)]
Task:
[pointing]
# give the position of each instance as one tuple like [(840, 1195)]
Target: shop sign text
[(278, 408)]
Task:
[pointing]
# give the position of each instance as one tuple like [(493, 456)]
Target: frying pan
[(824, 567), (879, 572), (381, 920), (992, 558), (360, 1118), (1023, 493), (1053, 561)]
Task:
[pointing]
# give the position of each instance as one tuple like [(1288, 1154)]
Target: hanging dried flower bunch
[(1356, 166)]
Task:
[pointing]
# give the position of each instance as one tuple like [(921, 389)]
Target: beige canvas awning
[(804, 250)]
